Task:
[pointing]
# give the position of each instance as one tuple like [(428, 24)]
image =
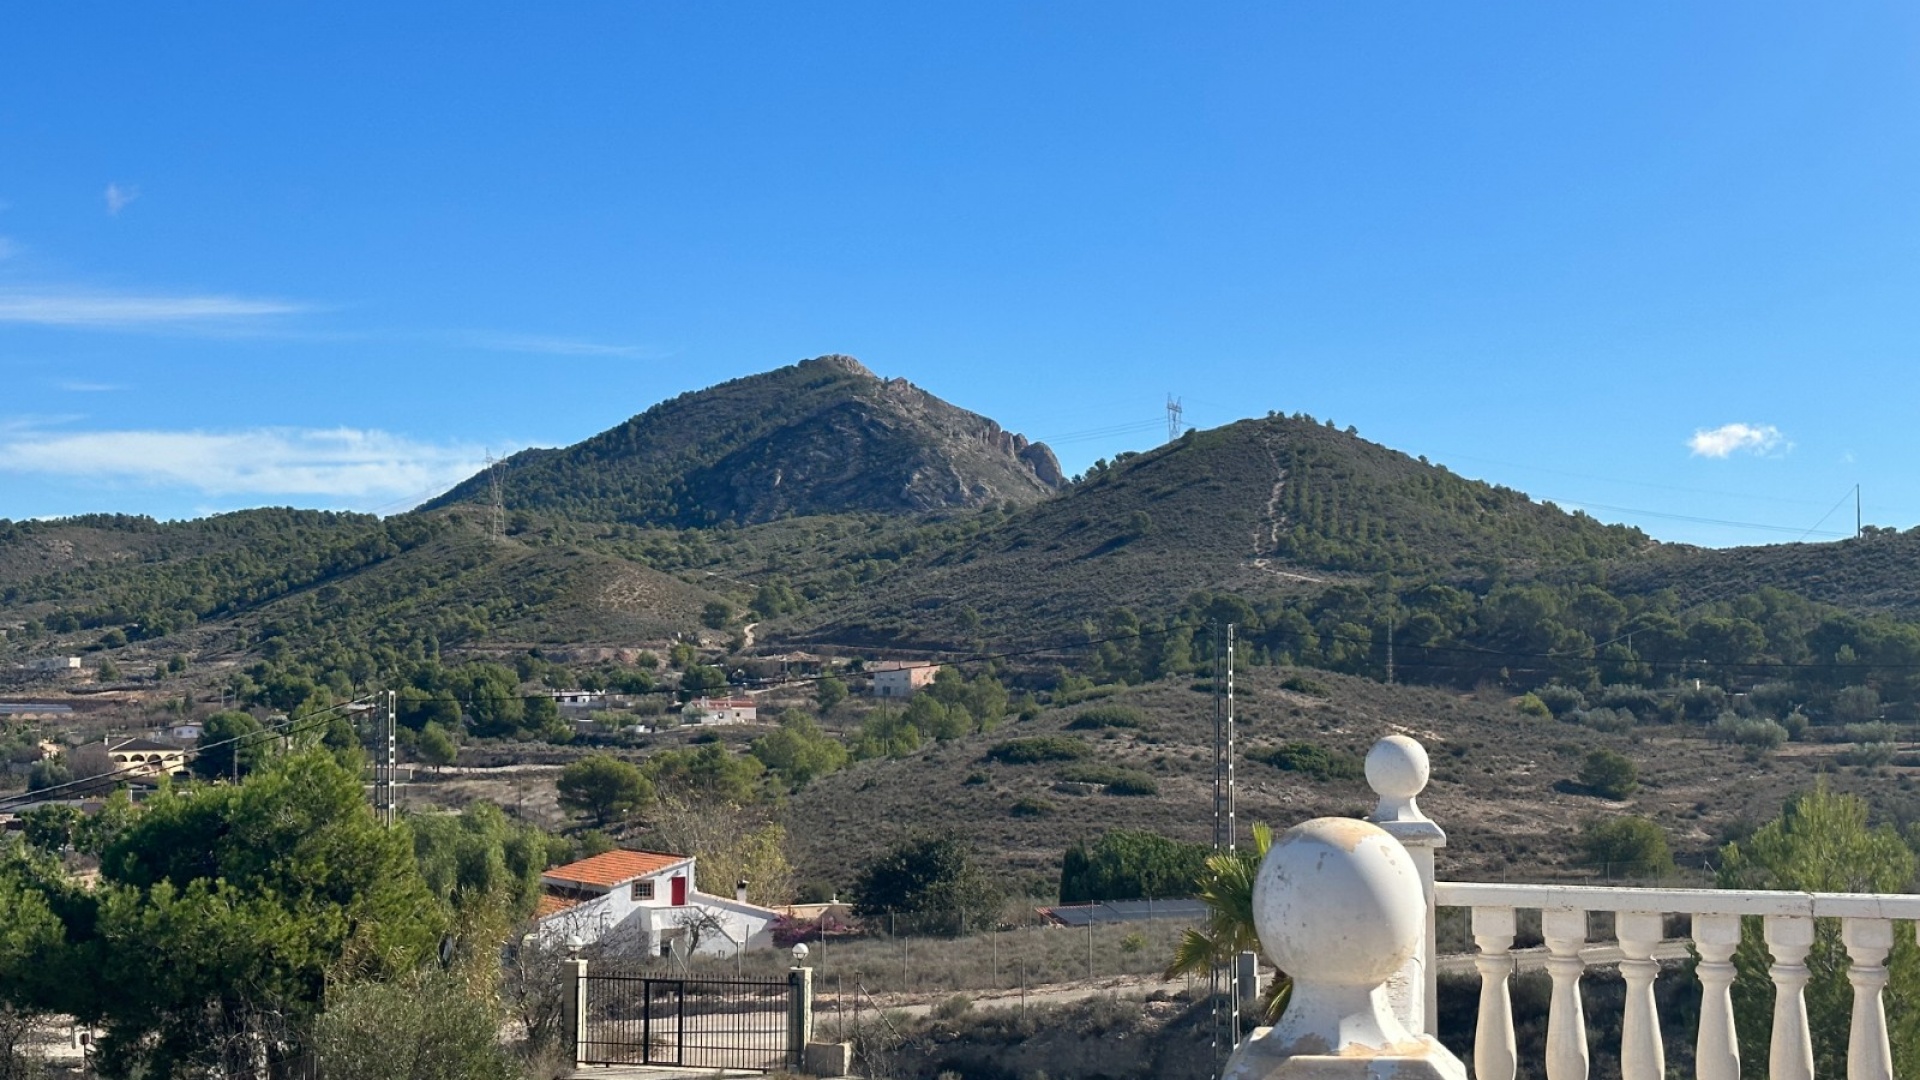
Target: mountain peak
[(821, 436), (838, 362)]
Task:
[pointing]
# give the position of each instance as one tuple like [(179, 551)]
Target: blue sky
[(1657, 260)]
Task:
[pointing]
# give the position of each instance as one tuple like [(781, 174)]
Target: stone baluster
[(1717, 1051), (1565, 930), (1869, 1057), (1397, 770), (1642, 1054), (1494, 1053), (1790, 1054)]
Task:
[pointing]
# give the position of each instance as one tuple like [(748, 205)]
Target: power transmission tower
[(1173, 417), (496, 496), (1224, 977), (386, 765)]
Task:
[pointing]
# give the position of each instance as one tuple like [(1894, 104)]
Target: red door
[(679, 890)]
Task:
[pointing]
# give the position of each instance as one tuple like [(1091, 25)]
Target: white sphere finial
[(1397, 770), (1338, 901), (1340, 906)]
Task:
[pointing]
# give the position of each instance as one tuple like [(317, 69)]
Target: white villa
[(641, 902), (721, 711)]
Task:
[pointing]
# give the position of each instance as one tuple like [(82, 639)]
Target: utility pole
[(1857, 521), (1389, 646), (1173, 417), (496, 500)]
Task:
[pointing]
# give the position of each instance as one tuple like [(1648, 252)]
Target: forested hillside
[(1324, 549)]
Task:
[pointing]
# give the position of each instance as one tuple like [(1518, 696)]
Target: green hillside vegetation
[(1324, 550), (1281, 506)]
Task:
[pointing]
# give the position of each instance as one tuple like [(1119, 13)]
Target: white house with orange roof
[(646, 902)]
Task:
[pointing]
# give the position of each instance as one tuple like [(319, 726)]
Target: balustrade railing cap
[(1397, 770)]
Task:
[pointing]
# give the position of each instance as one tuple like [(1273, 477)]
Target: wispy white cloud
[(81, 386), (1729, 439), (555, 346), (59, 307), (8, 248), (360, 466), (119, 196)]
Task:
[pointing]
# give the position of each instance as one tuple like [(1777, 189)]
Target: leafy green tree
[(1822, 842), (799, 751), (884, 733), (1609, 774), (604, 788), (543, 719), (52, 828), (828, 693), (483, 868), (708, 771), (218, 745), (495, 708), (944, 722), (225, 911), (933, 879), (701, 679), (48, 772), (436, 747), (1128, 864), (716, 615), (1629, 846)]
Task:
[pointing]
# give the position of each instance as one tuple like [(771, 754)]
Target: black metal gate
[(692, 1023)]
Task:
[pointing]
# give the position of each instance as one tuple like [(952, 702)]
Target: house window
[(643, 890)]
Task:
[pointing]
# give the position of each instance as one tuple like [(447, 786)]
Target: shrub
[(1130, 864), (934, 878), (1610, 774), (1314, 760), (1030, 806), (1038, 748), (1560, 700), (1531, 705), (1611, 721), (1632, 846), (1642, 701), (1300, 684), (1107, 716), (1875, 732), (430, 1028), (1748, 731), (1868, 755)]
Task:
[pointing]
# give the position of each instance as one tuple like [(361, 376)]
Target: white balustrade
[(1494, 1054), (1642, 1054), (1789, 920)]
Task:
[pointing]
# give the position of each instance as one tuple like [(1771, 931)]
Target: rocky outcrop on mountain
[(822, 436)]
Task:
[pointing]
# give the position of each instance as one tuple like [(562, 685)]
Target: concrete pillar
[(1397, 770), (574, 972), (799, 1014)]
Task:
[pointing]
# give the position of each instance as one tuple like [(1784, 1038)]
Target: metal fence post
[(799, 1014), (575, 970)]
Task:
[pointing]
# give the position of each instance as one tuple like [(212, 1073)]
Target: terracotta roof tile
[(614, 867), (553, 905)]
